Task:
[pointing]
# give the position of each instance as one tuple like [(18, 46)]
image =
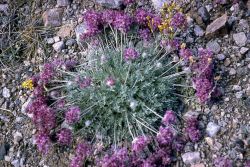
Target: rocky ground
[(223, 29)]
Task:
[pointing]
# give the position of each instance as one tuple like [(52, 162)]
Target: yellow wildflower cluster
[(168, 10), (28, 84)]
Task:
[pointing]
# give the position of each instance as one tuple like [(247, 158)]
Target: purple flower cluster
[(82, 152), (223, 162), (118, 158), (43, 142), (141, 17), (178, 21), (186, 54), (145, 34), (110, 81), (247, 164), (47, 73), (203, 79), (73, 115), (84, 82), (122, 22), (192, 129), (130, 54), (169, 118), (165, 136), (139, 143), (64, 136)]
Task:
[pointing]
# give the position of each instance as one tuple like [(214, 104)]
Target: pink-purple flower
[(178, 21), (73, 115), (165, 135), (130, 54), (82, 152), (185, 53), (110, 81), (64, 136), (83, 82), (122, 22), (169, 118), (192, 129), (223, 162), (43, 142), (139, 143)]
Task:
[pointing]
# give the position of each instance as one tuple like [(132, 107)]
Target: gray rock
[(232, 71), (213, 46), (56, 38), (247, 103), (158, 4), (243, 50), (6, 92), (17, 137), (198, 31), (70, 42), (239, 94), (3, 151), (191, 158), (16, 163), (212, 129), (79, 30), (53, 17), (202, 11), (58, 46), (4, 8), (216, 24), (50, 41), (62, 3), (227, 62), (240, 38), (114, 4), (220, 57)]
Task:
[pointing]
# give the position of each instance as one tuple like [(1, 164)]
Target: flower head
[(178, 21), (84, 82), (223, 162), (130, 54), (122, 22), (43, 142), (127, 2), (73, 115), (110, 81), (192, 129), (165, 136), (139, 143), (82, 152), (169, 118), (28, 84), (64, 136)]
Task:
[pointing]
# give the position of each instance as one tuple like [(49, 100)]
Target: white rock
[(16, 163), (191, 157), (6, 92), (4, 8), (58, 46), (17, 137), (158, 4), (50, 41), (240, 38), (79, 30), (212, 129), (239, 94), (243, 50), (110, 3), (62, 3)]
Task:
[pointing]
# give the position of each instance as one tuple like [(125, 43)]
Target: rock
[(227, 62), (62, 3), (6, 92), (4, 8), (79, 30), (243, 50), (56, 38), (232, 71), (212, 129), (65, 31), (158, 4), (236, 87), (220, 57), (17, 137), (191, 114), (239, 94), (240, 38), (70, 42), (247, 103), (50, 41), (209, 141), (216, 24), (198, 165), (191, 158), (53, 17), (16, 163), (198, 31), (202, 11), (58, 46), (114, 4), (3, 151), (213, 46)]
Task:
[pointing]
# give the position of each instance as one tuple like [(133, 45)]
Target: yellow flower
[(28, 84)]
